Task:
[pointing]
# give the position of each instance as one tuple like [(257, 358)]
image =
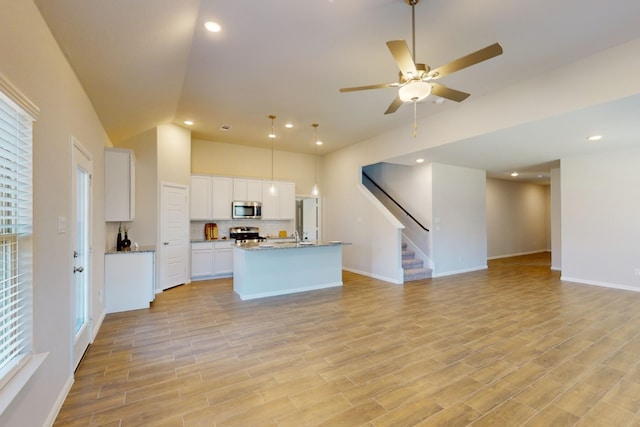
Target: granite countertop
[(132, 250), (211, 240), (288, 245)]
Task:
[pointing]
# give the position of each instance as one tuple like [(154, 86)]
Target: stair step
[(408, 254), (417, 274), (412, 263)]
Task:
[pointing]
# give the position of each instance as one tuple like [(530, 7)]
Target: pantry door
[(174, 236)]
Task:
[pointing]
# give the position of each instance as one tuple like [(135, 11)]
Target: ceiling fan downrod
[(412, 3)]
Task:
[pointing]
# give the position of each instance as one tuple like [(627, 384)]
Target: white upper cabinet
[(282, 204), (119, 184), (210, 197), (221, 197), (200, 197), (247, 189), (287, 202)]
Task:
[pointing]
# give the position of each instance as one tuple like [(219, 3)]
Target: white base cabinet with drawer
[(211, 259)]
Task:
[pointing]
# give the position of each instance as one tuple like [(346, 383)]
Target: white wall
[(33, 63), (517, 218), (601, 219), (143, 228), (459, 234), (411, 187), (556, 220), (572, 86)]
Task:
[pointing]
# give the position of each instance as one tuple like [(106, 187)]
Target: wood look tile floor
[(510, 345)]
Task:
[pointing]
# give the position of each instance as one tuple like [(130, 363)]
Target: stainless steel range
[(246, 235)]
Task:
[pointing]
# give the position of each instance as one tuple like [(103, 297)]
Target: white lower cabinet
[(201, 260), (129, 280), (211, 259)]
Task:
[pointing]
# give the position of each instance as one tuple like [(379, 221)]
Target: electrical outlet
[(638, 271)]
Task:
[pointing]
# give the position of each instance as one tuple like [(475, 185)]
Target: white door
[(174, 236), (81, 243)]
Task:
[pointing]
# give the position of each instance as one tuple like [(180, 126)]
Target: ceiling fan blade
[(380, 86), (393, 107), (403, 58), (466, 61), (445, 92)]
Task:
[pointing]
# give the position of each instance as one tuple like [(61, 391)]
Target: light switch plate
[(62, 224)]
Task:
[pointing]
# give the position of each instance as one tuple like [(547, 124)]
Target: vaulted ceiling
[(149, 62)]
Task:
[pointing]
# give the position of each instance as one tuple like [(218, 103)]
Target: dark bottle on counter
[(126, 243), (119, 242)]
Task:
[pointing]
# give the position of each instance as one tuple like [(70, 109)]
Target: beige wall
[(33, 63), (218, 158), (518, 218)]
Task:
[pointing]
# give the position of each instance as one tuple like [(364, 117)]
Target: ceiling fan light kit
[(416, 80), (414, 91)]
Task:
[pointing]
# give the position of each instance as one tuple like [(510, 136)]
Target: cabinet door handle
[(77, 269)]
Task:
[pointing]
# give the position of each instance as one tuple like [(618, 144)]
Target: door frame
[(79, 152)]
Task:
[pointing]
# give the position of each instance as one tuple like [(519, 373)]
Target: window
[(15, 235)]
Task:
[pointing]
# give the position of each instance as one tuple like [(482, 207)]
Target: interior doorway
[(308, 218)]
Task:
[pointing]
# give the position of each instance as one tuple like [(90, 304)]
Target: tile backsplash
[(267, 228)]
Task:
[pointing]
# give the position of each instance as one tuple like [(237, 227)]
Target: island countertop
[(265, 246)]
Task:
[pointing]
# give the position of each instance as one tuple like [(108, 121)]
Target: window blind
[(15, 237)]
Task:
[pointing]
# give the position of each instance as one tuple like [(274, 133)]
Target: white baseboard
[(97, 325), (59, 402), (466, 270), (289, 291), (519, 254), (601, 284), (374, 276)]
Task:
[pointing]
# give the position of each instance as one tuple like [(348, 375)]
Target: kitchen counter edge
[(132, 251)]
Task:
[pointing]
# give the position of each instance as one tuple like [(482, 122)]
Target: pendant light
[(315, 190), (272, 136)]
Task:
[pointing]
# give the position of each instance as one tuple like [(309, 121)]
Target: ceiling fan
[(416, 81)]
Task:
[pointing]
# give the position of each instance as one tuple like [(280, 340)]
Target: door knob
[(77, 269)]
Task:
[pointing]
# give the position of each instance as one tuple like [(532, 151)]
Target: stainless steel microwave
[(240, 209)]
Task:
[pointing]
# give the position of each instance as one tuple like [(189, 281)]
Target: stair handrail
[(394, 201)]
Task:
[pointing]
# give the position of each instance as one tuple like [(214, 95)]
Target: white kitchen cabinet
[(287, 202), (129, 280), (200, 194), (282, 204), (247, 189), (223, 258), (201, 259), (210, 197), (221, 197), (211, 259), (119, 184)]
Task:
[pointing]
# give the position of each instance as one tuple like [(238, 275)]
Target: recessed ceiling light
[(188, 122), (225, 128), (318, 142), (514, 174), (594, 137), (420, 160), (214, 27), (288, 125)]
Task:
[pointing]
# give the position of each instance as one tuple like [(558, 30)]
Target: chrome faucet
[(296, 235)]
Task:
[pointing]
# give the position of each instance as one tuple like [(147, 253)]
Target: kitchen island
[(263, 270)]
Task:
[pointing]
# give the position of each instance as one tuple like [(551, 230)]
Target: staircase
[(413, 268)]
